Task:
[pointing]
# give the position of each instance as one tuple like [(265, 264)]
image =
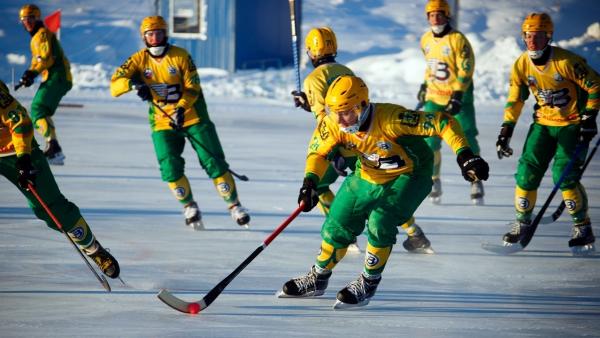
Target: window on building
[(187, 19)]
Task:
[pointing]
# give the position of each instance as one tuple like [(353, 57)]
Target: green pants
[(466, 118), (381, 206), (48, 96), (331, 175), (169, 145), (543, 143), (65, 211)]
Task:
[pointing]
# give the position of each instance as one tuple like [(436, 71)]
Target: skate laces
[(307, 282), (238, 211), (579, 231)]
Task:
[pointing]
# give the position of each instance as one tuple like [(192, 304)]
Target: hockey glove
[(339, 164), (28, 77), (422, 93), (502, 145), (473, 167), (587, 126), (300, 100), (455, 104), (143, 91), (308, 194), (177, 123), (25, 171)]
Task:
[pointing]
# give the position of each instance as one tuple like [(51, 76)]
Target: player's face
[(535, 40), (437, 18), (154, 37), (28, 22), (347, 118)]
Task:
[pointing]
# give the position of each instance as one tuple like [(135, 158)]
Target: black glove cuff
[(507, 130), (457, 95), (309, 183), (464, 157)]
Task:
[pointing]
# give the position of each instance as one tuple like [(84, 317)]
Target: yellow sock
[(375, 259), (181, 190), (225, 186), (329, 256)]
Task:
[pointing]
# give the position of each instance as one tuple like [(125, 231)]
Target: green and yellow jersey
[(173, 80), (47, 56), (450, 65), (559, 87), (384, 150), (16, 130), (317, 83)]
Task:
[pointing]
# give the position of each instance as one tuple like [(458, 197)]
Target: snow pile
[(591, 35)]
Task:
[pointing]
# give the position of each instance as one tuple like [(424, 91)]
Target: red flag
[(52, 21)]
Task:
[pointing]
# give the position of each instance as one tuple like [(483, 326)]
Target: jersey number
[(439, 70)]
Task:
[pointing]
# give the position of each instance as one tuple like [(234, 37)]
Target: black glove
[(25, 171), (587, 126), (308, 194), (179, 118), (339, 164), (143, 91), (502, 145), (28, 77), (300, 100), (473, 167), (422, 93), (455, 103)]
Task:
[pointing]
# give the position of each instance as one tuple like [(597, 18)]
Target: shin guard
[(81, 234), (375, 259), (329, 256), (576, 203), (524, 203), (181, 190), (225, 186)]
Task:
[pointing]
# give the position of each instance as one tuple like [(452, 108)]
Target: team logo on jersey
[(384, 145), (224, 188), (523, 203), (147, 73), (172, 70), (531, 81), (323, 131), (77, 233), (571, 205), (371, 260), (179, 192), (557, 77), (445, 50)]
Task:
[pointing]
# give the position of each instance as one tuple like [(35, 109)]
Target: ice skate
[(53, 153), (518, 228), (354, 248), (435, 196), (582, 239), (310, 285), (193, 216), (357, 293), (417, 242), (105, 261), (477, 193), (240, 215)]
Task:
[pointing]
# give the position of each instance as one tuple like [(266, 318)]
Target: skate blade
[(281, 294), (505, 249), (353, 248), (58, 159), (197, 226), (477, 201), (339, 305), (435, 200), (245, 226), (426, 251), (583, 250)]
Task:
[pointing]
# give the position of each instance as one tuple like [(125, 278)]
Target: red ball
[(193, 308)]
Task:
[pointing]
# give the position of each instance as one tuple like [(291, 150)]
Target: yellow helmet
[(151, 23), (30, 10), (437, 5), (347, 92), (321, 42), (538, 22)]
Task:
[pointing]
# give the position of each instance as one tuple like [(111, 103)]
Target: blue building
[(232, 34)]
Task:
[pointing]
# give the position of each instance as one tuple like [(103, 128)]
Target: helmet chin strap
[(437, 29), (353, 129), (536, 54)]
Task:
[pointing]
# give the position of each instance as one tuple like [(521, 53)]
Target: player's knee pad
[(329, 256)]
